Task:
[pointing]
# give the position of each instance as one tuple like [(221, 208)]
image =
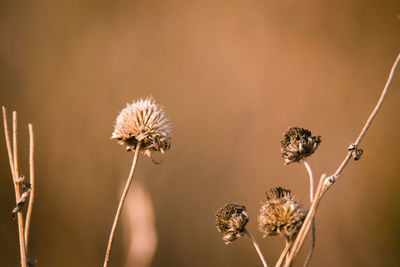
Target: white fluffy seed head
[(143, 121)]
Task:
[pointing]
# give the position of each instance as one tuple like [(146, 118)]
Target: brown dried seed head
[(231, 221), (297, 144), (143, 121), (281, 214)]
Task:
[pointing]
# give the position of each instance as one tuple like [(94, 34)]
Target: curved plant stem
[(257, 247), (121, 203), (32, 182), (310, 173), (326, 183), (284, 253), (369, 121)]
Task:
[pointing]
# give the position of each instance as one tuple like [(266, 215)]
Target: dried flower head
[(146, 122), (230, 221), (281, 214), (297, 144)]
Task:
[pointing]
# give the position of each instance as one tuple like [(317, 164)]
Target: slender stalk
[(310, 173), (370, 119), (326, 183), (301, 236), (8, 142), (32, 182), (18, 193), (121, 203), (379, 104), (256, 247), (284, 253)]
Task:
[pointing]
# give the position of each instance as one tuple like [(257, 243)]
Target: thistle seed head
[(143, 121), (281, 214), (297, 144), (231, 221)]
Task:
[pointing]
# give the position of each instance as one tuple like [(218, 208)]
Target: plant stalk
[(326, 183), (121, 203), (32, 183), (284, 253), (313, 232), (256, 247)]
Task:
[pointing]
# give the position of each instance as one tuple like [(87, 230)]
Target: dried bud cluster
[(298, 143), (281, 214), (231, 221), (146, 122)]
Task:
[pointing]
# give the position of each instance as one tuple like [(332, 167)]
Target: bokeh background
[(232, 75)]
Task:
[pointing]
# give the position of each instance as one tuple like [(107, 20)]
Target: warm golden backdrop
[(232, 75)]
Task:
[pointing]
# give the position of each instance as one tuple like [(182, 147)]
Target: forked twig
[(326, 183)]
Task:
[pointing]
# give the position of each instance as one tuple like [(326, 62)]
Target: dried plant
[(142, 125), (231, 221), (296, 146), (325, 183), (146, 122), (281, 214), (24, 190)]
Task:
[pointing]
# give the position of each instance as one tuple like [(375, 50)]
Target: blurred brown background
[(232, 75)]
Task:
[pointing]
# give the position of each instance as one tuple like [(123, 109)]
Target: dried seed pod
[(143, 121), (297, 144), (281, 214), (231, 221)]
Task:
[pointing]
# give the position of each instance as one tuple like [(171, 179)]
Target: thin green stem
[(120, 205)]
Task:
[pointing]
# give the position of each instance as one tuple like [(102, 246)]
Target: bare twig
[(13, 160), (18, 193), (32, 183), (256, 247), (301, 236), (284, 253), (8, 142), (121, 203), (326, 183), (354, 146), (310, 174), (313, 236)]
